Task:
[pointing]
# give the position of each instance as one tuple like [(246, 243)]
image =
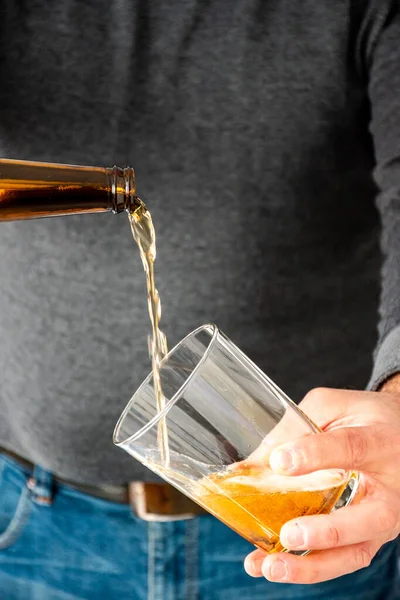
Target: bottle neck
[(30, 190), (122, 187)]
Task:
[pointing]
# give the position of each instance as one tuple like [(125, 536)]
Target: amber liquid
[(144, 235), (256, 503)]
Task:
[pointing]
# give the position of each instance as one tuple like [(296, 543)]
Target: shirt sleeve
[(384, 94)]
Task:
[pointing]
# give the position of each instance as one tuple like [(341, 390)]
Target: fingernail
[(253, 566), (276, 571), (293, 536), (282, 460)]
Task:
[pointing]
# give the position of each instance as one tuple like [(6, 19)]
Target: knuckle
[(314, 396), (308, 576), (298, 574), (362, 557), (332, 536), (357, 447), (393, 536), (387, 519)]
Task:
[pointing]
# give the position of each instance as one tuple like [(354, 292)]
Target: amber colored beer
[(256, 503)]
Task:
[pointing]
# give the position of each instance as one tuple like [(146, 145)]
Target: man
[(261, 134)]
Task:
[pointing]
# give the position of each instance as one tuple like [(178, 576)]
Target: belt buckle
[(160, 502)]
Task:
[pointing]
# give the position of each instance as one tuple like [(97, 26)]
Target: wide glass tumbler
[(221, 419)]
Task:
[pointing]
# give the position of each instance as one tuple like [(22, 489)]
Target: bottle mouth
[(122, 184)]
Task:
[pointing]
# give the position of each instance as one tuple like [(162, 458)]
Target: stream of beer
[(144, 235)]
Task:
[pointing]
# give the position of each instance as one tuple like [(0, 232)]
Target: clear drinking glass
[(222, 417)]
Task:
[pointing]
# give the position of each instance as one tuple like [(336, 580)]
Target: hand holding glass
[(223, 418)]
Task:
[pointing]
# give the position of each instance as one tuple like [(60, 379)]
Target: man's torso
[(247, 125)]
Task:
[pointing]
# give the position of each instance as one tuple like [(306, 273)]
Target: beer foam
[(266, 481)]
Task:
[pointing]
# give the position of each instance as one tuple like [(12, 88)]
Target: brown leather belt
[(150, 501)]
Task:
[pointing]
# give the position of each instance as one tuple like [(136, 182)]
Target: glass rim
[(172, 401)]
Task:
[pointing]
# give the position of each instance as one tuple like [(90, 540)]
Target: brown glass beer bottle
[(30, 190)]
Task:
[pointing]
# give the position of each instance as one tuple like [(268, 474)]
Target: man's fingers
[(253, 563), (351, 448), (324, 405), (314, 568), (350, 525)]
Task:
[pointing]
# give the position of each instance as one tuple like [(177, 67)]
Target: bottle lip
[(122, 183)]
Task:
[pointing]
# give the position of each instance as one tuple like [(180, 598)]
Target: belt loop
[(41, 486)]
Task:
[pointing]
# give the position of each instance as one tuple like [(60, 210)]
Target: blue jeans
[(59, 544)]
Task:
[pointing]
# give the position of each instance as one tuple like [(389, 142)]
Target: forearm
[(384, 86)]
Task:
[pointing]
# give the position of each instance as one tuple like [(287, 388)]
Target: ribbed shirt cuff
[(387, 360)]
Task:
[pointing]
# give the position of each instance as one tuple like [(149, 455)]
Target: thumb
[(360, 448)]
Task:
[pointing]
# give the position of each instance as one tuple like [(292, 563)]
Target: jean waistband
[(149, 501), (43, 482)]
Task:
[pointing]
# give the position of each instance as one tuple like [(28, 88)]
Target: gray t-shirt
[(254, 129)]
